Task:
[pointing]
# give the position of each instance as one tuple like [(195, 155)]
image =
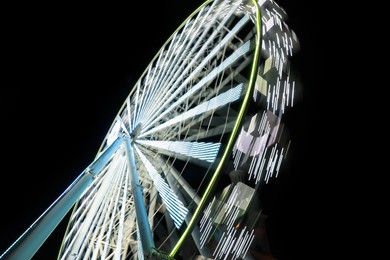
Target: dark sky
[(67, 70)]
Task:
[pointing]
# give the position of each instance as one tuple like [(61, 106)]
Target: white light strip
[(120, 227), (204, 60), (205, 216), (129, 113), (226, 63), (156, 91), (175, 207), (172, 74), (279, 162), (233, 246), (227, 97), (135, 105), (206, 232), (202, 151), (145, 93)]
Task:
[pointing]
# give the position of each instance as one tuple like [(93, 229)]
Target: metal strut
[(146, 237), (32, 239), (140, 208)]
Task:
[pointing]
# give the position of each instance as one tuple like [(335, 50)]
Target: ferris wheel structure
[(179, 173)]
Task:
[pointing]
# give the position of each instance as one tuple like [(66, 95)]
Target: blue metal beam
[(140, 208), (32, 239)]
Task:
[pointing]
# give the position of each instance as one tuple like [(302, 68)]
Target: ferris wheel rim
[(233, 134), (146, 132)]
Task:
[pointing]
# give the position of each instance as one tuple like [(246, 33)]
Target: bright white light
[(202, 151), (113, 133), (218, 101), (175, 207)]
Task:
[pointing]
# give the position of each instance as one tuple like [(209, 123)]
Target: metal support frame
[(32, 239), (140, 208)]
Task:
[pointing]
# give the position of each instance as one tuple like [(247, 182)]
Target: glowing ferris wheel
[(179, 171)]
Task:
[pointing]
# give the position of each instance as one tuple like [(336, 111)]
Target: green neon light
[(231, 139)]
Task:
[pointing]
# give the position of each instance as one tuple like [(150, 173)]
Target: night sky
[(67, 70)]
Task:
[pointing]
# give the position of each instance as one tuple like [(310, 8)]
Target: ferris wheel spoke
[(144, 95), (210, 105), (205, 152), (135, 103), (122, 125), (239, 52), (72, 240), (99, 201), (130, 232), (175, 207), (174, 177), (209, 132), (212, 123), (127, 119), (180, 55), (162, 74), (153, 91), (228, 62), (160, 89), (194, 141)]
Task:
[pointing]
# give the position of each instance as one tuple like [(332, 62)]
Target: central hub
[(136, 132)]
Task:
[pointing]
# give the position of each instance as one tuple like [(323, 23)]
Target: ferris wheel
[(179, 173)]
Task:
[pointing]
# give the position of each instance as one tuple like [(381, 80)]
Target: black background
[(66, 71)]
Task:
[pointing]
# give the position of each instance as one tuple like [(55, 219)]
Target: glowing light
[(175, 207), (218, 101), (198, 150)]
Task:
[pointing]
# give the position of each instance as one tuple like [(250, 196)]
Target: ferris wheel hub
[(136, 131)]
